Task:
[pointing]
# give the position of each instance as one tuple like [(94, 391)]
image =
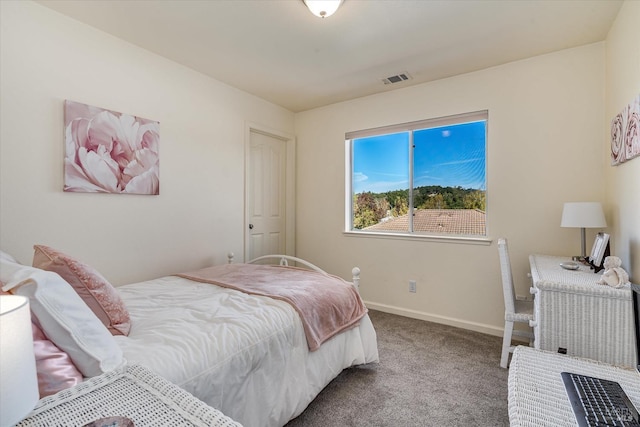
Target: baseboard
[(414, 314)]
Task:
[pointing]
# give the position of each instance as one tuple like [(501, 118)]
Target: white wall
[(548, 119), (623, 181), (46, 58), (544, 148)]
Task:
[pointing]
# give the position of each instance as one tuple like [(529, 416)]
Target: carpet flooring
[(429, 375)]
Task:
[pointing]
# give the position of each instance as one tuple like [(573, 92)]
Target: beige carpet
[(429, 375)]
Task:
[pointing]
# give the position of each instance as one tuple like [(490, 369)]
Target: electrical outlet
[(412, 286)]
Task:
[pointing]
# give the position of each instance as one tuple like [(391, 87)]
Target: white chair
[(514, 310)]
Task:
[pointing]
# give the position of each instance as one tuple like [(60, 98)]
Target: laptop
[(600, 402)]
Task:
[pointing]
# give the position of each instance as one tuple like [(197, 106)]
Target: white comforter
[(242, 354)]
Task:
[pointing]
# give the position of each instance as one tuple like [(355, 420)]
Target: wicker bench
[(133, 392), (537, 396)]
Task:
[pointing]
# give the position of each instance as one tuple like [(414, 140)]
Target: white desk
[(574, 312), (537, 396)]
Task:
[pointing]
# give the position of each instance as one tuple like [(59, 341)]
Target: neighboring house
[(450, 221)]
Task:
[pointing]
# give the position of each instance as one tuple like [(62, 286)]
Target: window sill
[(465, 240)]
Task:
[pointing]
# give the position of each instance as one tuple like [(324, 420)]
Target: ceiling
[(278, 51)]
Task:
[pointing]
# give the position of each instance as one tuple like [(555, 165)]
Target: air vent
[(397, 78)]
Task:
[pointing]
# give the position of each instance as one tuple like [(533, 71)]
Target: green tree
[(475, 200), (400, 206), (368, 210), (435, 201)]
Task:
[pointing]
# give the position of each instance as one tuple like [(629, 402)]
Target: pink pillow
[(54, 367), (101, 297)]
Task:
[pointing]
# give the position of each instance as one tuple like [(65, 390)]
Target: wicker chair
[(514, 310)]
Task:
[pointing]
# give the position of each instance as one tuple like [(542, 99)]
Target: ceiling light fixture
[(322, 8)]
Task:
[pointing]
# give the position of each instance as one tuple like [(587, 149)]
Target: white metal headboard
[(284, 261)]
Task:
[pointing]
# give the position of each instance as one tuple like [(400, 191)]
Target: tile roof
[(449, 221)]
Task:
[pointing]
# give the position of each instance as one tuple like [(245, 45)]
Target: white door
[(268, 189)]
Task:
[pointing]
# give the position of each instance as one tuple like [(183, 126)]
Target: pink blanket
[(326, 304)]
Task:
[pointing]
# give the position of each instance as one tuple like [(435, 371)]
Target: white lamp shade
[(583, 215), (323, 8), (18, 378)]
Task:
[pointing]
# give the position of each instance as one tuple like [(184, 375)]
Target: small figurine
[(614, 275)]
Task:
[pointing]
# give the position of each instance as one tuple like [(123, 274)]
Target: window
[(420, 178)]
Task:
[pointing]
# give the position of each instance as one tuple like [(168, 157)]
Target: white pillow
[(8, 257), (64, 317)]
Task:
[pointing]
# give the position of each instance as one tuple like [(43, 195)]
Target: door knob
[(250, 226)]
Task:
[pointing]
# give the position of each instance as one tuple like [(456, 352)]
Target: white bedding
[(245, 355)]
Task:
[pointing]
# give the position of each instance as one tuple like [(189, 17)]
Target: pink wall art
[(625, 133), (109, 152)]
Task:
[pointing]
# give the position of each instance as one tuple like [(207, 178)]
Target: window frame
[(481, 115)]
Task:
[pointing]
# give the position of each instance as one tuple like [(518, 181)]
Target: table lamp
[(18, 378), (583, 215)]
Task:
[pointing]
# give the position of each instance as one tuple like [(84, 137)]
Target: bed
[(248, 355)]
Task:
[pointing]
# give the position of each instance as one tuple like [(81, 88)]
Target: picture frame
[(110, 152), (599, 251), (625, 133)]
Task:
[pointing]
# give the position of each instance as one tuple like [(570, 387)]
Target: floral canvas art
[(625, 133), (109, 152)]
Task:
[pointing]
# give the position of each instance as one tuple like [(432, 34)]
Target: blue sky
[(447, 156)]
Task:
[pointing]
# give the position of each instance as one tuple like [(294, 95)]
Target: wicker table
[(537, 396), (133, 392), (572, 311)]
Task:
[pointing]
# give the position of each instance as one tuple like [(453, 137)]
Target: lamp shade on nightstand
[(18, 378), (583, 215)]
